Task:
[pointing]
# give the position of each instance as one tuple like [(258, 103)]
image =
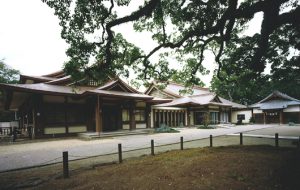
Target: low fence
[(122, 152)]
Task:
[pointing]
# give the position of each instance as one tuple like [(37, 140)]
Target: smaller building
[(277, 108), (189, 109)]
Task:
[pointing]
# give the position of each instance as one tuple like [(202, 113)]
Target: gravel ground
[(16, 156)]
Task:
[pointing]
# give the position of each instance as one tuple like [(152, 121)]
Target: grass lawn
[(234, 167)]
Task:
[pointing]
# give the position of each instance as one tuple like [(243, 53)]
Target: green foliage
[(186, 30), (7, 74), (206, 120), (243, 85), (163, 128)]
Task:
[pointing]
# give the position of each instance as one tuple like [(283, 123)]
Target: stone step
[(94, 135)]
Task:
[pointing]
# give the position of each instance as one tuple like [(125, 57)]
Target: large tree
[(240, 83), (96, 50), (8, 74)]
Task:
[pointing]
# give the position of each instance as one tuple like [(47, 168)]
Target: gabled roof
[(276, 100), (46, 88), (173, 89), (23, 78), (233, 104), (117, 82), (57, 74), (196, 100)]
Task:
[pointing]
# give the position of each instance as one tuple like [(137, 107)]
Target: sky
[(30, 38)]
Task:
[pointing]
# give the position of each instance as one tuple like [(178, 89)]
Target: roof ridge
[(194, 86)]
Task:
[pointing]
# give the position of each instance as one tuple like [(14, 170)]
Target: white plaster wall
[(141, 126), (292, 109), (77, 129), (151, 122), (257, 111), (126, 126), (247, 113), (54, 130), (192, 118)]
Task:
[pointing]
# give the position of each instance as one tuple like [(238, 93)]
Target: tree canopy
[(8, 74), (96, 50)]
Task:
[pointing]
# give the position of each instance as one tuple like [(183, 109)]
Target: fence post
[(120, 152), (276, 140), (241, 138), (181, 143), (65, 164), (152, 147), (210, 140)]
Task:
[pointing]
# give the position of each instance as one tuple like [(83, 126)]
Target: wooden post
[(120, 152), (280, 117), (65, 164), (264, 113), (132, 124), (181, 143), (241, 138), (98, 116), (66, 114), (210, 140), (298, 145), (152, 147), (33, 124), (276, 140), (148, 116)]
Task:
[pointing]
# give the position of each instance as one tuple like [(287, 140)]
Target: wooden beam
[(66, 114), (33, 129), (9, 95), (132, 123), (98, 116)]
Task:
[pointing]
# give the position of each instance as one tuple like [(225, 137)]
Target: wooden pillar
[(188, 117), (158, 117), (281, 117), (148, 116), (229, 114), (176, 118), (219, 115), (154, 118), (66, 114), (33, 129), (264, 113), (98, 116), (171, 118), (167, 118), (132, 124)]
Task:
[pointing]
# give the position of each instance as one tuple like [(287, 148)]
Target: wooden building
[(190, 109), (52, 105), (277, 108)]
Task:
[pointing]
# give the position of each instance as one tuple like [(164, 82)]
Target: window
[(241, 117), (139, 115), (213, 117), (125, 115)]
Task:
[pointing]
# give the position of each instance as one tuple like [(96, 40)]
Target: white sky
[(30, 38)]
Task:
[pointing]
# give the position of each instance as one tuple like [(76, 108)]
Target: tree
[(88, 27), (243, 85), (7, 74)]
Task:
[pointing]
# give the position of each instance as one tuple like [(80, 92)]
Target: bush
[(205, 127), (252, 120), (163, 128)]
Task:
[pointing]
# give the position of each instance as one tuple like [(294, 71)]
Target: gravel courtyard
[(40, 153)]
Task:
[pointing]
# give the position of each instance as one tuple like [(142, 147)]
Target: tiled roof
[(46, 88), (176, 88), (196, 100), (111, 93), (233, 104), (282, 101)]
